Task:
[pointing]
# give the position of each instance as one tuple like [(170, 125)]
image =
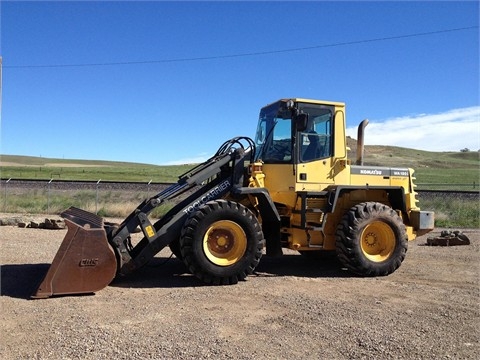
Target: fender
[(270, 217), (396, 195), (267, 207)]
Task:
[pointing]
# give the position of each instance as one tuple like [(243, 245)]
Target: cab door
[(314, 149)]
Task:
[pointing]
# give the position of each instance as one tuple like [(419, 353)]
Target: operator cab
[(294, 131)]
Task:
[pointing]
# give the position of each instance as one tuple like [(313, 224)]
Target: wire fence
[(54, 196)]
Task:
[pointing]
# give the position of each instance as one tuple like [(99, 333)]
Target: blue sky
[(168, 82)]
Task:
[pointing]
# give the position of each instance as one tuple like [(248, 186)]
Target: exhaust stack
[(361, 142)]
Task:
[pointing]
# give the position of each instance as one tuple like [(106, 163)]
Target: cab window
[(316, 139)]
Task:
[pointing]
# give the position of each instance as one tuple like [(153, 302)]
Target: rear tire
[(222, 242), (371, 239)]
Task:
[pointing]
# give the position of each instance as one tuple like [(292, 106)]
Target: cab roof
[(311, 101)]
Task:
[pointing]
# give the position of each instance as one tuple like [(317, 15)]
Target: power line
[(259, 53)]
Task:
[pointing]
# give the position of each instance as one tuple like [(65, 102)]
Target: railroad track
[(83, 185)]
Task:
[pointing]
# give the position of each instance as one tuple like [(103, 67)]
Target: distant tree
[(465, 150)]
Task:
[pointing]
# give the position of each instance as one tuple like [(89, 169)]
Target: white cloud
[(200, 158), (449, 131)]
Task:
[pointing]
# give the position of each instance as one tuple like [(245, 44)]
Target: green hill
[(30, 167)]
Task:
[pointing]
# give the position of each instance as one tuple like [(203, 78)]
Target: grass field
[(433, 170)]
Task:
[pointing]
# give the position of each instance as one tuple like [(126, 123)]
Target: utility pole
[(0, 90)]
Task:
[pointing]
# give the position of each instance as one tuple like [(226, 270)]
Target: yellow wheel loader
[(292, 187)]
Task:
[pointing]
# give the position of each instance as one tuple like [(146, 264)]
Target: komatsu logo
[(371, 172), (212, 194)]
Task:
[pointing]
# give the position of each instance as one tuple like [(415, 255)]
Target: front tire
[(222, 242), (371, 240)]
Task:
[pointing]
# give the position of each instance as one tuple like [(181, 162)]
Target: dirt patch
[(291, 308)]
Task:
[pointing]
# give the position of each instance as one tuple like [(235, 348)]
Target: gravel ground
[(291, 308)]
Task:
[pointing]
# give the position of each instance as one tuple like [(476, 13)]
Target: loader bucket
[(84, 263)]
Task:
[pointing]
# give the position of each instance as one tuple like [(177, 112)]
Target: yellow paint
[(150, 231)]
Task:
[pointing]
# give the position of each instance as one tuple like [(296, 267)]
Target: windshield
[(274, 134)]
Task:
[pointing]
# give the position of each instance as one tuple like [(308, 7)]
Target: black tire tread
[(229, 275), (347, 238)]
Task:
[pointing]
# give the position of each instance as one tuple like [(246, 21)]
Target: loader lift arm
[(214, 177)]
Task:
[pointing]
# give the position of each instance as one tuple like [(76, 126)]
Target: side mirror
[(301, 122)]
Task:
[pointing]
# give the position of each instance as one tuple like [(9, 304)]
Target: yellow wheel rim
[(224, 243), (378, 241)]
